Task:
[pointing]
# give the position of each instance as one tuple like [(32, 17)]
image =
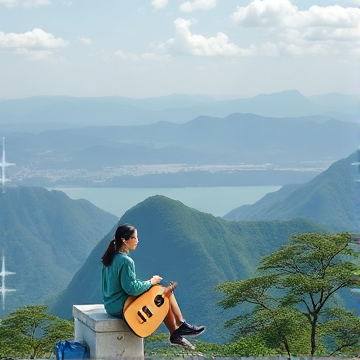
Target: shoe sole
[(193, 335), (187, 344)]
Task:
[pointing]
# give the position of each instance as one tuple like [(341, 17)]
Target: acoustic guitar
[(145, 313)]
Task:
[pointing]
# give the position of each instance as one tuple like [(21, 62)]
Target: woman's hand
[(155, 279)]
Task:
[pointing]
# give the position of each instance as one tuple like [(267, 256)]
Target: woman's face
[(133, 241)]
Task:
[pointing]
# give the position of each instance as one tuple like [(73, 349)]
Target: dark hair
[(122, 232)]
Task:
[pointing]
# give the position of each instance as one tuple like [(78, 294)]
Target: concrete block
[(108, 337)]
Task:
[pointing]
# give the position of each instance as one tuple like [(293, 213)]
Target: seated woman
[(119, 282)]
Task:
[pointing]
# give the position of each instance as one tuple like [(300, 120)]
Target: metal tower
[(3, 165), (3, 290)]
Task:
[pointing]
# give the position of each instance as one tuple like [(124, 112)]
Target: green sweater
[(118, 282)]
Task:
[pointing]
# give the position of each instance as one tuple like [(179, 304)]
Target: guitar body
[(145, 313)]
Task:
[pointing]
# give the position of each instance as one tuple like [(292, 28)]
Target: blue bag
[(71, 350)]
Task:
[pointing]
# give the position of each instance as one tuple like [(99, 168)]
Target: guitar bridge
[(141, 316), (145, 311)]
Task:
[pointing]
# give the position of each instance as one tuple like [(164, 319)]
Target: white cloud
[(35, 44), (330, 16), (198, 45), (36, 39), (318, 30), (325, 34), (159, 4), (85, 41), (267, 13), (332, 38), (281, 13), (197, 5), (298, 44), (24, 3)]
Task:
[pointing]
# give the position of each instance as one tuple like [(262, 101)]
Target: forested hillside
[(331, 198), (196, 249), (45, 237)]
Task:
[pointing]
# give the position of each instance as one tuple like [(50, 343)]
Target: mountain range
[(196, 249), (45, 238), (331, 198), (41, 113), (249, 144)]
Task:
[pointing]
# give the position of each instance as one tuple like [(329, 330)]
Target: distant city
[(99, 176)]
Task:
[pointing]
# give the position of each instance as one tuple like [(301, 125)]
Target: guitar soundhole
[(159, 300)]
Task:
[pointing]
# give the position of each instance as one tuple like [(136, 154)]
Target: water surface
[(217, 201)]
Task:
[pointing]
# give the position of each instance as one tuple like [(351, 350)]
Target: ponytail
[(109, 253), (123, 232)]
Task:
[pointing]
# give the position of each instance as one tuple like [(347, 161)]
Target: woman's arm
[(130, 283)]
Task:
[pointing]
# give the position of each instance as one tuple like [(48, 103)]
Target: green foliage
[(30, 332), (46, 237), (291, 298), (159, 344), (341, 331)]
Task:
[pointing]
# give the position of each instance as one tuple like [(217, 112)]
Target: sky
[(139, 48)]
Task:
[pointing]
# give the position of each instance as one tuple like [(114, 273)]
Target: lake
[(217, 201)]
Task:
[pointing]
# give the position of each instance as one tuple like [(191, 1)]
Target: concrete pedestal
[(107, 337)]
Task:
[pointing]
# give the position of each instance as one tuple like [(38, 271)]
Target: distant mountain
[(196, 249), (331, 198), (45, 238), (298, 145), (337, 103), (236, 138), (282, 104), (41, 113)]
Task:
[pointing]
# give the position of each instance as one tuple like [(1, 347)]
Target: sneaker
[(179, 340), (189, 330)]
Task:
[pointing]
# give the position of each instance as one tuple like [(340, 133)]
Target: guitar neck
[(169, 289)]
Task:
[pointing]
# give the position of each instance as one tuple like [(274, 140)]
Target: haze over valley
[(238, 149)]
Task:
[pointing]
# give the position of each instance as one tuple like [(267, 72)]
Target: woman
[(119, 282)]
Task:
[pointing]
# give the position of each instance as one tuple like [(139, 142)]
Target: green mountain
[(331, 198), (45, 238), (196, 249)]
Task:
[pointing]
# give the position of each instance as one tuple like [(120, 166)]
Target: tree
[(31, 332), (292, 296)]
